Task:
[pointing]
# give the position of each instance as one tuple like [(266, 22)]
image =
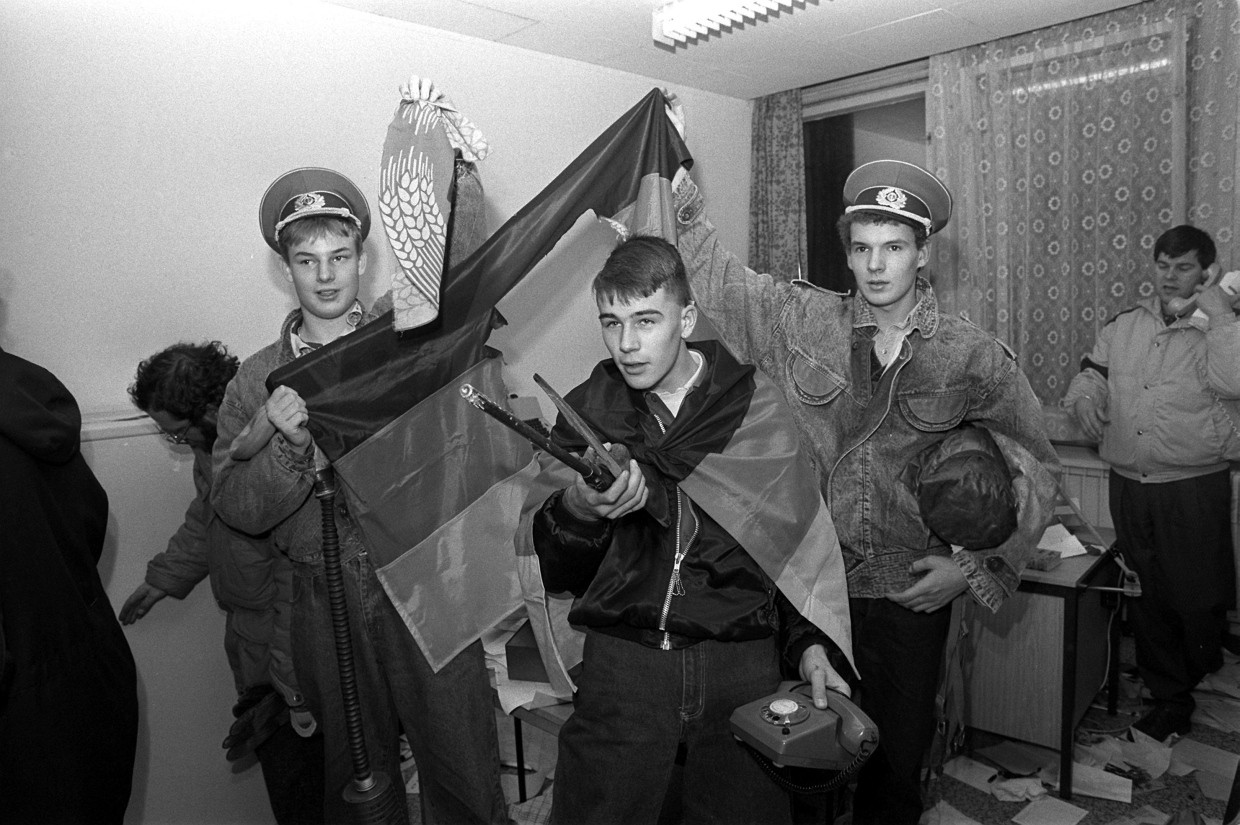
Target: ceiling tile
[(819, 40)]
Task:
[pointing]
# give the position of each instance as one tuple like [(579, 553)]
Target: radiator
[(1084, 480)]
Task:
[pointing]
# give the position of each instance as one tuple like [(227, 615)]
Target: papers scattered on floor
[(1050, 810), (1017, 789), (970, 772), (1213, 786), (1151, 757), (1147, 815), (533, 811), (1088, 780), (944, 814), (1215, 711), (1197, 755)]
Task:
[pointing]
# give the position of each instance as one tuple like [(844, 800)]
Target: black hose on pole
[(372, 796)]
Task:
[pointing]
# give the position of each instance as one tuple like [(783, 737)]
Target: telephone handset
[(789, 730), (1230, 283)]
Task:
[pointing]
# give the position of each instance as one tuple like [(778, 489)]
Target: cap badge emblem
[(892, 198), (310, 200)]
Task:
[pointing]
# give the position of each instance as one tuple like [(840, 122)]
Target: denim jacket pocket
[(814, 383), (935, 413)]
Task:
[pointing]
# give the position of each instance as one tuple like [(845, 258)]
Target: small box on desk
[(524, 661), (1044, 560)]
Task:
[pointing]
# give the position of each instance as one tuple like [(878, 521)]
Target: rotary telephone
[(786, 730)]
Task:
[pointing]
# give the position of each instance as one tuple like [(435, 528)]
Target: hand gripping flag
[(436, 487)]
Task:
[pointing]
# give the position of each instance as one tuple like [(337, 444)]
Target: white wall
[(136, 139)]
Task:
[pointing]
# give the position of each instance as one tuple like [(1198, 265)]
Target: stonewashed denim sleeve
[(743, 305)]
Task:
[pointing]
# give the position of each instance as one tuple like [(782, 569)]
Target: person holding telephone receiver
[(1160, 393)]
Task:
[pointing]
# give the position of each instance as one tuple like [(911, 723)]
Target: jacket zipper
[(674, 585)]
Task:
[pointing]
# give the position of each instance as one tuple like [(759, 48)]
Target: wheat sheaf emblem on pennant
[(416, 229)]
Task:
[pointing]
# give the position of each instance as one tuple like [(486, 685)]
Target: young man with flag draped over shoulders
[(711, 544)]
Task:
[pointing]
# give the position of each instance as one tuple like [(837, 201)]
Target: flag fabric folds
[(437, 486), (436, 492)]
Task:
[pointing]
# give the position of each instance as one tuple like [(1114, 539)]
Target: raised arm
[(743, 305), (1222, 341)]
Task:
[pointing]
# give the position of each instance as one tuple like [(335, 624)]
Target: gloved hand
[(260, 712)]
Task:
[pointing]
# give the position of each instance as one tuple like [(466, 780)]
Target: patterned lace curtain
[(1067, 154), (777, 187)]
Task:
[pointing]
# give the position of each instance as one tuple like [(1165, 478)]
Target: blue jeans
[(634, 707), (447, 716)]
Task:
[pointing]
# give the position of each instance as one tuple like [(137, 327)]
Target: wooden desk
[(1038, 664)]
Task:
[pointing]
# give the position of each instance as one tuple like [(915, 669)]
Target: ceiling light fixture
[(683, 22)]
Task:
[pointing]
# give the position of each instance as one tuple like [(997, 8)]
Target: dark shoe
[(1165, 720)]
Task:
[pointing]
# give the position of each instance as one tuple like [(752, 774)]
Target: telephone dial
[(788, 731)]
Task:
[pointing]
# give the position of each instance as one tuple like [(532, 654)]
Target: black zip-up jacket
[(626, 572)]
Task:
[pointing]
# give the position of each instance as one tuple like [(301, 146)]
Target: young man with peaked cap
[(316, 220), (873, 380), (1151, 391)]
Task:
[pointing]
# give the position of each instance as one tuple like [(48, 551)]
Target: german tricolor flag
[(437, 487)]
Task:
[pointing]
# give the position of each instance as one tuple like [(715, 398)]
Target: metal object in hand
[(579, 424), (598, 477)]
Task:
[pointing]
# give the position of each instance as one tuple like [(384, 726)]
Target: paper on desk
[(1057, 539), (1050, 810)]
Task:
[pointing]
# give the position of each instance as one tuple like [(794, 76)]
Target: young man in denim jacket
[(873, 380), (316, 220)]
